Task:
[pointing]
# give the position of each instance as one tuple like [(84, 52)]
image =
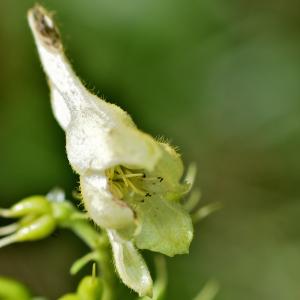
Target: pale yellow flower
[(130, 182)]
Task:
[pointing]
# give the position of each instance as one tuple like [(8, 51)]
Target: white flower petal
[(130, 265), (103, 208), (60, 109), (99, 134)]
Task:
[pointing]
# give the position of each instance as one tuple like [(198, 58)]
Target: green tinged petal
[(168, 172), (165, 226), (130, 265)]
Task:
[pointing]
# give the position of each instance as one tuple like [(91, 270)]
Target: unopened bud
[(70, 297), (13, 290), (30, 205), (90, 288), (37, 229)]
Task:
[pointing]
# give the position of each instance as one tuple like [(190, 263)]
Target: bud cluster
[(37, 217)]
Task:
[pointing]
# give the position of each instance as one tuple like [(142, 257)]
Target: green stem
[(106, 266), (98, 242)]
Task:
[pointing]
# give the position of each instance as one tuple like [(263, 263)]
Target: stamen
[(117, 190), (122, 176), (110, 173), (134, 175), (138, 191)]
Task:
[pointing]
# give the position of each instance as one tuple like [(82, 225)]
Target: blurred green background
[(220, 79)]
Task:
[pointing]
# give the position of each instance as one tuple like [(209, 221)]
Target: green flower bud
[(13, 290), (30, 205), (70, 297), (37, 229), (90, 288)]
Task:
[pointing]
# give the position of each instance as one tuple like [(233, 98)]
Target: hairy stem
[(98, 242)]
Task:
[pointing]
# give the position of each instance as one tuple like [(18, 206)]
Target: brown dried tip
[(43, 23)]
